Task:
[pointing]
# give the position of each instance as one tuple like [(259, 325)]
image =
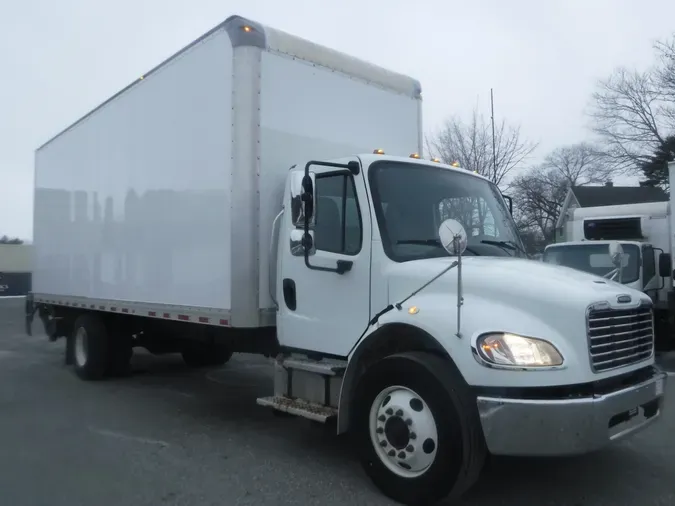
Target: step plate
[(317, 367), (298, 407)]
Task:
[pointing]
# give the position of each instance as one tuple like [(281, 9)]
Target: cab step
[(323, 368), (299, 407)]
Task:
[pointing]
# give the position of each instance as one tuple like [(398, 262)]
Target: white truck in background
[(644, 233), (216, 205)]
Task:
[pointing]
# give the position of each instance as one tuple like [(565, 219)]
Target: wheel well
[(388, 340)]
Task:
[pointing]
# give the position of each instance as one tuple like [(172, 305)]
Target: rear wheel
[(89, 347), (417, 429)]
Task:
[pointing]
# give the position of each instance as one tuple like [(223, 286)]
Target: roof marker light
[(414, 155), (378, 151), (437, 160), (455, 164)]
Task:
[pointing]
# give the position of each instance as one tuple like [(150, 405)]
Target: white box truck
[(643, 231), (219, 204)]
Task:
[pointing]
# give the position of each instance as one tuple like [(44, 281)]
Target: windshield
[(412, 200), (594, 258)]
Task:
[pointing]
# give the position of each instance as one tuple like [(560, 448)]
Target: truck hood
[(511, 295), (507, 279)]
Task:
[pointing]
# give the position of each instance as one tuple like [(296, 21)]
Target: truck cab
[(644, 267), (643, 233), (373, 232), (405, 301)]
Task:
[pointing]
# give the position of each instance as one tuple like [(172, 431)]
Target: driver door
[(324, 296)]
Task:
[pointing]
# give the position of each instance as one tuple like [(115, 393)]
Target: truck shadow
[(597, 478)]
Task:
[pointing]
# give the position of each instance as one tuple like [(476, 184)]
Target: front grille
[(620, 337)]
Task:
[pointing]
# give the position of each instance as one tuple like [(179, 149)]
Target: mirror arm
[(510, 201)]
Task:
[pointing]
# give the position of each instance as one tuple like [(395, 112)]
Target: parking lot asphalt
[(169, 435)]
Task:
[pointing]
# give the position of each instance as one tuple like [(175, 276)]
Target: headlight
[(518, 351)]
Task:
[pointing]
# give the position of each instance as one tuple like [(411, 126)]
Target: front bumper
[(556, 427)]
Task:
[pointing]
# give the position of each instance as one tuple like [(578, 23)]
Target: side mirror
[(303, 199), (453, 237), (301, 243), (665, 265)]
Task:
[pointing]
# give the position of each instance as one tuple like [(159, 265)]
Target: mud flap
[(31, 308)]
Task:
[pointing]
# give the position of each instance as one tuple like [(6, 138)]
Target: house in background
[(16, 269), (607, 195)]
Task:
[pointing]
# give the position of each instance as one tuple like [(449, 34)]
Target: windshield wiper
[(432, 242), (506, 245)]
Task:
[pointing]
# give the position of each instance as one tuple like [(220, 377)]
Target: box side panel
[(133, 202), (309, 111)]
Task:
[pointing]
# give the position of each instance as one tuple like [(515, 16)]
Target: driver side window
[(472, 212), (338, 218)]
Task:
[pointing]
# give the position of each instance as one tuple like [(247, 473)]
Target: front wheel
[(417, 429)]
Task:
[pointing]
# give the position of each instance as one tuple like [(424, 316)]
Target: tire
[(418, 406), (89, 348), (206, 355)]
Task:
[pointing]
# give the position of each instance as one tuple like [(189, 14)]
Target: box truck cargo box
[(165, 194)]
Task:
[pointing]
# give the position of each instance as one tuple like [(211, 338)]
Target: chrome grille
[(619, 337)]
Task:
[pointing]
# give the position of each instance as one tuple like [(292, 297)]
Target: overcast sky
[(59, 59)]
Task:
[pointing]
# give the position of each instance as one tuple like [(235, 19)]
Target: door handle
[(289, 294)]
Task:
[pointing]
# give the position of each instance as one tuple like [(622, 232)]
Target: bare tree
[(539, 195), (579, 164), (470, 144), (540, 192), (633, 112), (7, 240), (665, 71)]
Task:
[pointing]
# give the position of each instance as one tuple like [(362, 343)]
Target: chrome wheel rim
[(403, 431), (81, 347)]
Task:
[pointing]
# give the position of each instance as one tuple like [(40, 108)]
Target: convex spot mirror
[(453, 237), (303, 199), (615, 253)]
